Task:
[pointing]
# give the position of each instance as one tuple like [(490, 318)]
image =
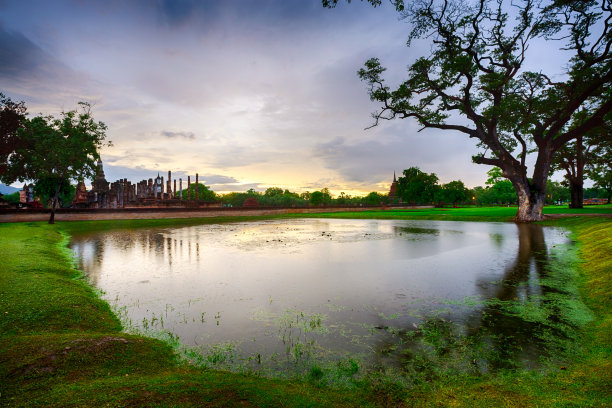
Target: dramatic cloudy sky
[(248, 93)]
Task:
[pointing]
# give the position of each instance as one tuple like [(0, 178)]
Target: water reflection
[(391, 293)]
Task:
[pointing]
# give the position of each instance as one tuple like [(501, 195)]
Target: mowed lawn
[(60, 345)]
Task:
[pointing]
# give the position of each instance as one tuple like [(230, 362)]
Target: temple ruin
[(153, 192)]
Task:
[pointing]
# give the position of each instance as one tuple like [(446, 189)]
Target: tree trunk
[(531, 193), (54, 203), (576, 193), (531, 204), (576, 182)]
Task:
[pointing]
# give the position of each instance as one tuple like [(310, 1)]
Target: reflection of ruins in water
[(91, 251)]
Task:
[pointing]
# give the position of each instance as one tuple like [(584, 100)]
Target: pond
[(282, 295)]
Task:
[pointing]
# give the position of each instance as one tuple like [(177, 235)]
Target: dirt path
[(565, 215), (154, 213)]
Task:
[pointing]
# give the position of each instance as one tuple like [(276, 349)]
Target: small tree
[(61, 149), (204, 193)]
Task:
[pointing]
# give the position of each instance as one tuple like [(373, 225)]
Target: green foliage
[(12, 117), (556, 192), (453, 192), (495, 176), (600, 171), (45, 189), (375, 198), (501, 192), (322, 197), (12, 198), (204, 193), (62, 149), (416, 186), (274, 191), (65, 148)]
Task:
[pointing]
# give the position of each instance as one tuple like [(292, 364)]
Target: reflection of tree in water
[(515, 326), (90, 253), (509, 338)]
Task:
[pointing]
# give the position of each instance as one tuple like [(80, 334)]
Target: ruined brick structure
[(393, 189), (123, 194)]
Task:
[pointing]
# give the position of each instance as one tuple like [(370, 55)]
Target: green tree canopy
[(322, 197), (375, 198), (62, 149), (453, 192), (204, 193), (12, 117), (416, 186), (45, 189)]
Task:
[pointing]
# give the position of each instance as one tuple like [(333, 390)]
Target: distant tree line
[(420, 188), (278, 197)]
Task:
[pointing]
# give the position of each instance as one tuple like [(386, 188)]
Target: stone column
[(197, 192), (189, 187), (181, 189), (174, 191), (120, 193), (169, 184)]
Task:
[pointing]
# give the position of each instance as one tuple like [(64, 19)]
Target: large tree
[(60, 149), (576, 156), (475, 81)]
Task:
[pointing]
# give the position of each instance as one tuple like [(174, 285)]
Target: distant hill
[(4, 189)]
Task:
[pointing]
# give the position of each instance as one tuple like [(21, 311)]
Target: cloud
[(20, 57), (172, 135), (218, 179), (395, 149), (30, 72), (237, 187)]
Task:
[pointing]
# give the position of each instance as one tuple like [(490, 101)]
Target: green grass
[(60, 345), (494, 214)]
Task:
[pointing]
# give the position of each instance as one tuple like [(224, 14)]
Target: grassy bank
[(60, 345), (490, 214)]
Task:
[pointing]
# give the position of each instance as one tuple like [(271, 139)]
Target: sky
[(246, 93)]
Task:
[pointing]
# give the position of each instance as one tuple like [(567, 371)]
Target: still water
[(285, 292)]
